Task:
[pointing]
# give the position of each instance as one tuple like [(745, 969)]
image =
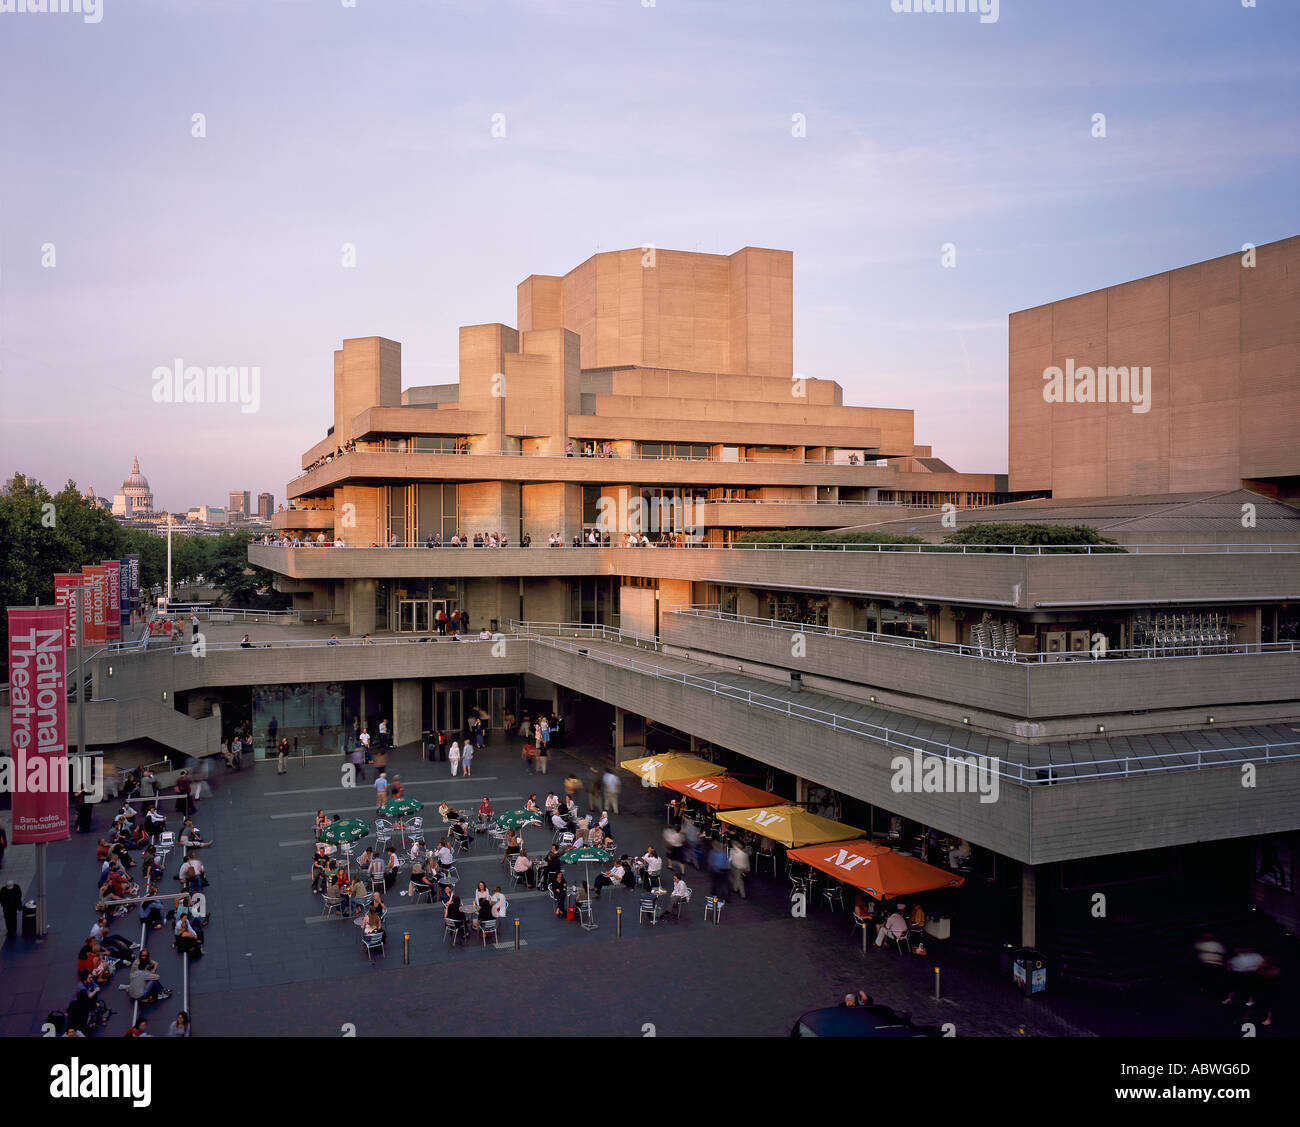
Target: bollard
[(618, 932), (516, 935), (864, 940), (936, 984), (406, 948)]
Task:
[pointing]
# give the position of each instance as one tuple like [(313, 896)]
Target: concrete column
[(619, 716), (407, 710), (747, 602), (1028, 905), (840, 616), (359, 596), (800, 789)]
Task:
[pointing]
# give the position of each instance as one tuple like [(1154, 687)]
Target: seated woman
[(374, 925), (481, 894), (151, 911), (499, 903), (418, 882), (560, 890), (523, 866), (512, 847), (446, 813), (456, 914), (367, 855), (322, 820), (485, 914), (597, 837), (391, 865), (460, 834), (357, 891), (93, 961), (187, 939), (531, 804)]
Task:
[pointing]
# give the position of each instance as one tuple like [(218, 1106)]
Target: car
[(860, 1021)]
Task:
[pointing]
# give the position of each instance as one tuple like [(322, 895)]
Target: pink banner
[(38, 723), (96, 604), (113, 607), (65, 595)]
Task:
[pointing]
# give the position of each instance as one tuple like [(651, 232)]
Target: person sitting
[(447, 814), (154, 820), (560, 891), (456, 914), (629, 873), (612, 875), (444, 853), (391, 866), (523, 866), (895, 928), (322, 821), (191, 838), (485, 913), (485, 811), (187, 939), (145, 985), (461, 836), (680, 893), (374, 924), (367, 855), (512, 847), (418, 882)]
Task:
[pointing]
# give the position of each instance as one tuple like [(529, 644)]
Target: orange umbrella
[(723, 792), (880, 872)]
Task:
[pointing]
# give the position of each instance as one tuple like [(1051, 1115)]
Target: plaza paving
[(274, 965)]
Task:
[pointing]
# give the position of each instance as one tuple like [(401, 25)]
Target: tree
[(1062, 538)]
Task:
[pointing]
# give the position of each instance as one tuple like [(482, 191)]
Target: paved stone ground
[(273, 965)]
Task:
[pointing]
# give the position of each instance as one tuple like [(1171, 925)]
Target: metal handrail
[(1023, 774), (311, 643), (987, 653), (909, 549), (869, 462)]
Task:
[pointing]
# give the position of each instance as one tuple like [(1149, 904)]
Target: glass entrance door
[(413, 615)]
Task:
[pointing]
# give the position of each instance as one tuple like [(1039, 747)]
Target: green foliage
[(1054, 535), (43, 534), (820, 536)]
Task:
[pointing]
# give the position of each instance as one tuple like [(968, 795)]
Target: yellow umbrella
[(790, 825), (671, 765)]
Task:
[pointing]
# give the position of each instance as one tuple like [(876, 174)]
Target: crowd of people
[(134, 859), (339, 451)]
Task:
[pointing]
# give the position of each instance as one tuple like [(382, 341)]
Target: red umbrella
[(723, 792), (880, 872)]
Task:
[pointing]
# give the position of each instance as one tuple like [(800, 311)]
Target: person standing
[(282, 757), (383, 732), (194, 626), (358, 759), (739, 867), (453, 757), (364, 738), (612, 785), (381, 790), (467, 757), (542, 757)]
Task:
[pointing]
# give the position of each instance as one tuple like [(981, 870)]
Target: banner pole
[(41, 927)]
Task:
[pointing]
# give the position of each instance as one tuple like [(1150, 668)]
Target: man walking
[(381, 790), (612, 785), (358, 759), (739, 867), (718, 869)]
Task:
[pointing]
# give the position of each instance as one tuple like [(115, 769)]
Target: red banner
[(96, 604), (38, 723), (113, 608), (65, 595)]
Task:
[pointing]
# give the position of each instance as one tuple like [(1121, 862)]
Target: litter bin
[(29, 920), (1029, 971), (796, 682)]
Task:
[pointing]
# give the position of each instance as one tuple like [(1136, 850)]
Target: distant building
[(135, 498), (265, 505), (95, 500), (206, 514), (239, 504)]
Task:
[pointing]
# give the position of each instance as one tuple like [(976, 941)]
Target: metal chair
[(834, 896), (585, 916), (899, 941), (415, 829), (332, 904), (764, 855), (863, 922), (383, 833), (677, 906), (486, 928), (370, 942), (649, 908), (517, 878), (453, 930), (713, 907)]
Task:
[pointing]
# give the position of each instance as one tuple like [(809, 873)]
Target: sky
[(127, 242)]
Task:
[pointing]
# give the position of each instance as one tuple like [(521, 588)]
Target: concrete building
[(265, 505), (238, 508), (1117, 695), (1217, 345)]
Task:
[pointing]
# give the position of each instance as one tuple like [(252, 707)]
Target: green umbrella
[(517, 819), (346, 830), (400, 807), (584, 855)]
